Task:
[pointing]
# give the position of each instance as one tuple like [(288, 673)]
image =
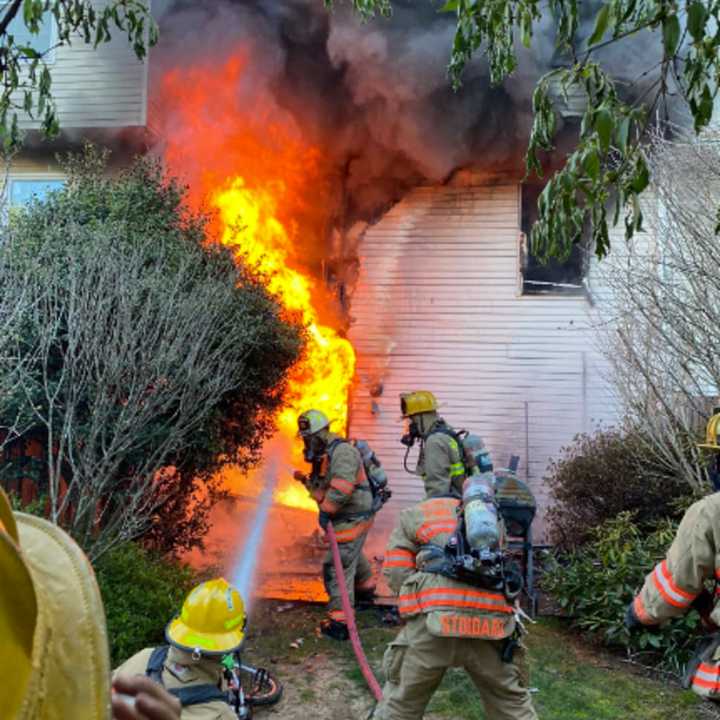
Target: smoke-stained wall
[(374, 97)]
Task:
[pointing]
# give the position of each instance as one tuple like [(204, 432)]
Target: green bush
[(137, 356), (595, 583), (604, 474), (141, 592)]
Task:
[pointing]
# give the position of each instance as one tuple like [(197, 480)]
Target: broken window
[(556, 277)]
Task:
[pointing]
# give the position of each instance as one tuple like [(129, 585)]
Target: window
[(41, 42), (24, 191), (556, 277)]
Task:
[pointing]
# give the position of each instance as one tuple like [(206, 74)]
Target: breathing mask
[(412, 434), (314, 448)]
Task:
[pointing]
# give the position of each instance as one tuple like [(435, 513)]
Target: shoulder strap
[(444, 429), (333, 445), (198, 694), (156, 663)]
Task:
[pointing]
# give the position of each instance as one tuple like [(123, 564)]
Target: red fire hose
[(350, 616)]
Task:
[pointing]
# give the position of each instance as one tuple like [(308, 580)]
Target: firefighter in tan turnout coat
[(448, 623), (678, 582), (338, 484), (440, 461)]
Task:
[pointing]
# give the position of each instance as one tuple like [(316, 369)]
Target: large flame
[(322, 378), (271, 198)]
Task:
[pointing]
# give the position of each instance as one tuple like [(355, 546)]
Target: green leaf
[(622, 133), (601, 25), (697, 18), (591, 163), (27, 11), (604, 126), (642, 176), (27, 52), (450, 6), (526, 29), (671, 35)]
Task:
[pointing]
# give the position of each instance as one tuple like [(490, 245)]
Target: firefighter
[(449, 623), (210, 625), (338, 484), (54, 657), (440, 463), (677, 584)]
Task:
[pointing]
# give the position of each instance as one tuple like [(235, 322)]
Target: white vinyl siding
[(102, 87), (437, 307)]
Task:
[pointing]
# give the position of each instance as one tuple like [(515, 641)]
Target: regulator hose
[(350, 615)]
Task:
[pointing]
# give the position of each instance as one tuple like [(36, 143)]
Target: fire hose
[(350, 616)]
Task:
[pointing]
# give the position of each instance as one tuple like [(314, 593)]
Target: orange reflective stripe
[(453, 598), (352, 533), (707, 677), (400, 558), (342, 485), (668, 588), (430, 530), (641, 612)]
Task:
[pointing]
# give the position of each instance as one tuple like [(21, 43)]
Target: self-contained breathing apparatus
[(375, 474), (476, 552), (318, 454)]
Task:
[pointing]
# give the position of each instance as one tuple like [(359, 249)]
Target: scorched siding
[(437, 307)]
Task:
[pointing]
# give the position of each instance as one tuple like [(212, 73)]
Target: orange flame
[(244, 161)]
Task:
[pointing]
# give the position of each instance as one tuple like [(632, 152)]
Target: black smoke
[(375, 96)]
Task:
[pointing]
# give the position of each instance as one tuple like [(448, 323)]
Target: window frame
[(37, 177)]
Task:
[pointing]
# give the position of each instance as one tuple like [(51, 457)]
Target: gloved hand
[(704, 603), (323, 519), (632, 621), (301, 477)]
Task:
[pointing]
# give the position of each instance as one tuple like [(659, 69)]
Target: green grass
[(573, 683), (573, 680)]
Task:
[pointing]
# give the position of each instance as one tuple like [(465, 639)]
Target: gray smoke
[(374, 96)]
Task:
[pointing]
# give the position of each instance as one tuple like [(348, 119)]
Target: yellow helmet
[(311, 422), (54, 657), (420, 401), (212, 620), (711, 434)]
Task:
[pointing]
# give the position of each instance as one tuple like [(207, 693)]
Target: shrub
[(141, 593), (595, 583), (148, 357), (601, 475)]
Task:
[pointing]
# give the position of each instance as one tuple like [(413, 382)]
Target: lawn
[(571, 681)]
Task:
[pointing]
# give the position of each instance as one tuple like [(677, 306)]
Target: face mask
[(314, 448), (412, 434)]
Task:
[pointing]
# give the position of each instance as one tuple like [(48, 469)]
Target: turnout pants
[(358, 574), (415, 662)]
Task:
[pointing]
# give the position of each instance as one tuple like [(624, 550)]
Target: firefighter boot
[(334, 629)]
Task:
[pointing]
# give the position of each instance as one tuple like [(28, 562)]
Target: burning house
[(390, 213), (384, 209)]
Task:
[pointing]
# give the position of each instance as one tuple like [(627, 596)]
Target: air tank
[(481, 519)]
